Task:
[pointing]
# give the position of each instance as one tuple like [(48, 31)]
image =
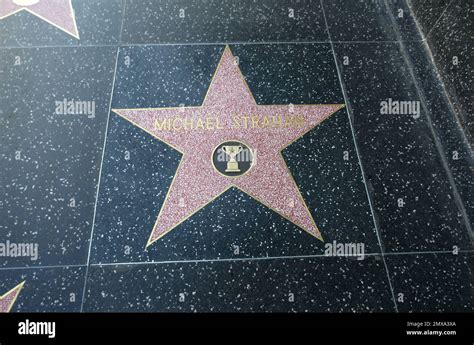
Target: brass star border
[(232, 185)]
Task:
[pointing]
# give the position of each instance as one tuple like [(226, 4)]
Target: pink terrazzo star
[(56, 12), (8, 299), (197, 183)]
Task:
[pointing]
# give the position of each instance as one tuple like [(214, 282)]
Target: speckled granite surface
[(447, 28)]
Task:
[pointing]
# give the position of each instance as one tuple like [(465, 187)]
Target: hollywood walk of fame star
[(8, 299), (56, 12), (219, 120)]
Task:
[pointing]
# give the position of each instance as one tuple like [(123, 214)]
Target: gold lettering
[(255, 122), (188, 123), (300, 121), (235, 122), (245, 119), (160, 126), (277, 121), (209, 123), (218, 124), (175, 127)]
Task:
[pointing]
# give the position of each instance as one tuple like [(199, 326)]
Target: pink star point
[(58, 13), (8, 299), (197, 183)]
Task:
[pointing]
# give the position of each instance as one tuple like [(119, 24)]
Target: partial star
[(8, 299), (230, 113), (56, 12)]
